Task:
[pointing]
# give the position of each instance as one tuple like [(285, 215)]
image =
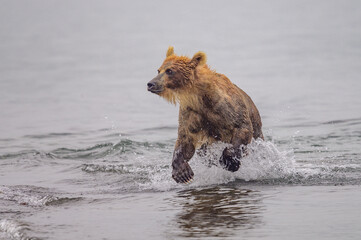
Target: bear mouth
[(156, 91)]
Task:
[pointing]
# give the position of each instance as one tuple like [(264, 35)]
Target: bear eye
[(169, 71)]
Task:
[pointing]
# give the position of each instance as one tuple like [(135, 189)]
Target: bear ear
[(199, 59), (170, 51)]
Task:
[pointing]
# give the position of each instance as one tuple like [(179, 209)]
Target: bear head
[(176, 76)]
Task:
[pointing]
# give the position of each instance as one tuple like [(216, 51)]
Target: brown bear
[(212, 109)]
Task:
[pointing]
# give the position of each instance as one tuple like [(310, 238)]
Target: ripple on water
[(34, 196), (129, 165)]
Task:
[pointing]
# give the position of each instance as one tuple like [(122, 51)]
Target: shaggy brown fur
[(211, 109)]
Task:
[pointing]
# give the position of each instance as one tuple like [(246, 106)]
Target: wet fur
[(211, 109)]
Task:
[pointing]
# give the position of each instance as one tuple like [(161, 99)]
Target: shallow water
[(85, 150)]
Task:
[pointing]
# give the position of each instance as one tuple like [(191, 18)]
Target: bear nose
[(150, 85)]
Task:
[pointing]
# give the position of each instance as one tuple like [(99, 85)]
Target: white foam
[(264, 161), (12, 229)]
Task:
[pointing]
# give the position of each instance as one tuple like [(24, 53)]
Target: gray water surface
[(85, 150)]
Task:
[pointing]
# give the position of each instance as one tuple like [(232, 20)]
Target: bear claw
[(182, 173)]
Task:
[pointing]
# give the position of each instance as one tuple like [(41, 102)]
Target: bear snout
[(154, 87), (150, 85)]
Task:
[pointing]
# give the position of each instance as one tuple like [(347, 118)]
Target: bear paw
[(182, 172), (229, 162)]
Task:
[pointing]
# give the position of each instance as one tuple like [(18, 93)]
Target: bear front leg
[(231, 155), (182, 172)]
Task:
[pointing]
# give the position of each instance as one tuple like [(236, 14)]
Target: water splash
[(133, 166), (263, 162)]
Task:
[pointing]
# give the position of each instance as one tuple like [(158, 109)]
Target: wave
[(33, 196), (101, 150), (347, 122), (20, 154), (129, 165), (13, 229)]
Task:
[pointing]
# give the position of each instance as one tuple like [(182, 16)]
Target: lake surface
[(85, 150)]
